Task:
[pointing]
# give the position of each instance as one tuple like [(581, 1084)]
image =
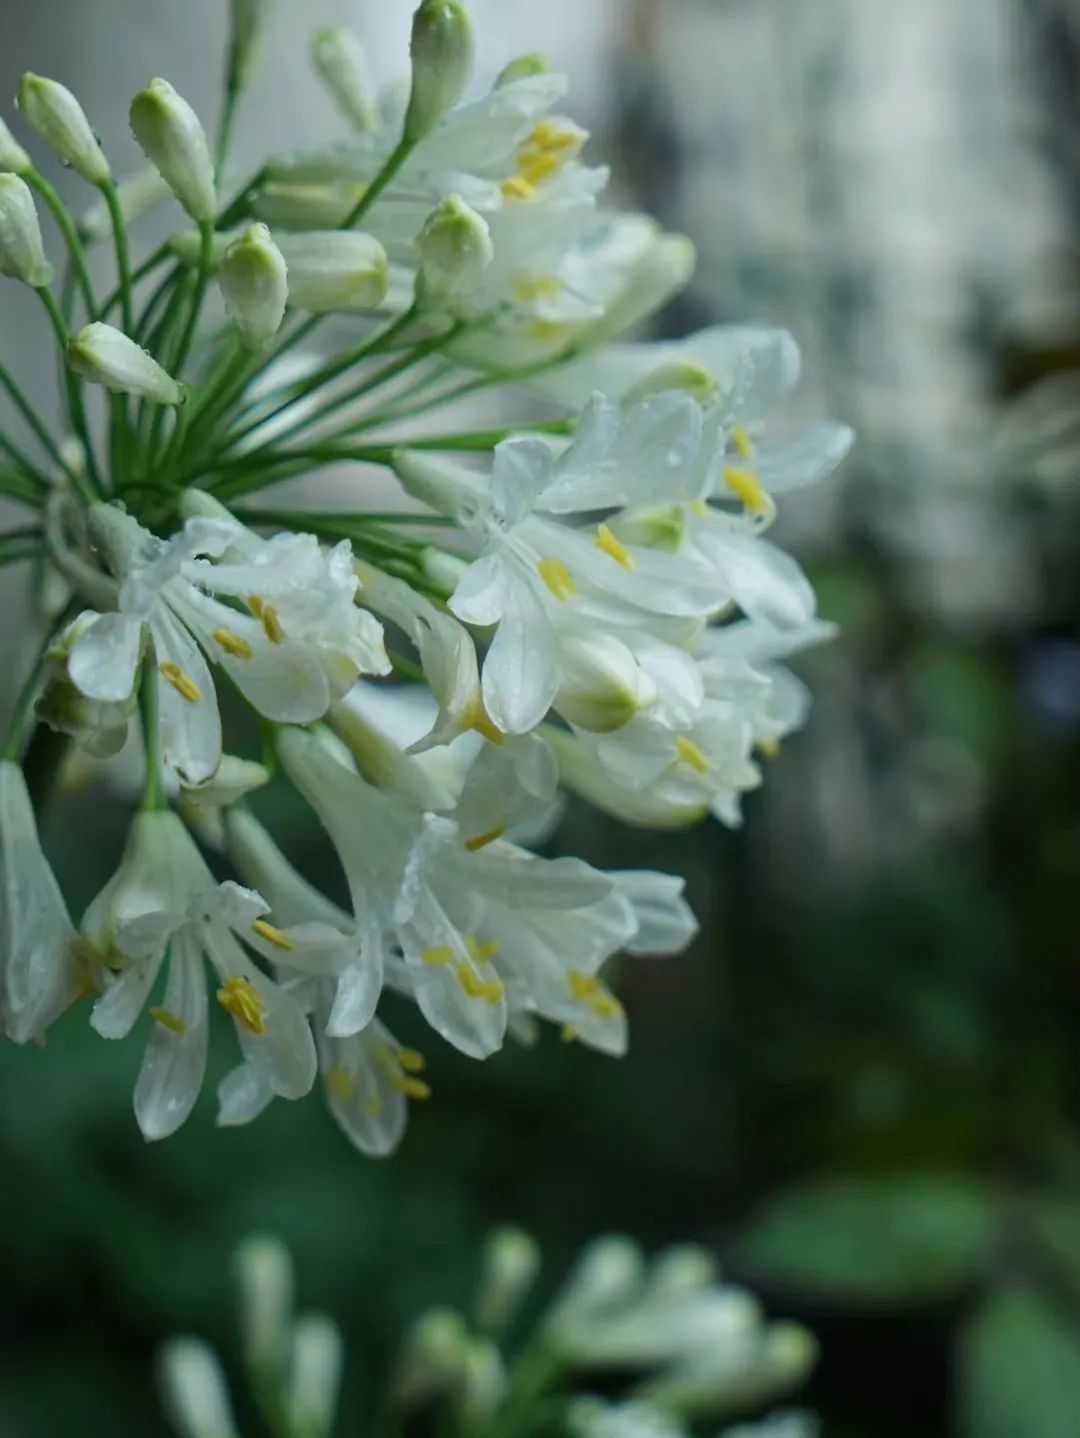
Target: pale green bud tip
[(265, 1275), (12, 155), (604, 686), (454, 249), (193, 1387), (335, 270), (107, 356), (442, 58), (341, 63), (523, 68), (249, 19), (53, 112), (22, 254), (254, 286), (686, 375), (169, 134)]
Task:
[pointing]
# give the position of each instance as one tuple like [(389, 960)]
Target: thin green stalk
[(76, 407), (137, 275), (30, 415), (70, 233), (152, 797), (166, 287), (206, 257), (13, 551), (26, 469), (398, 156), (152, 416), (22, 716), (123, 257), (228, 123)]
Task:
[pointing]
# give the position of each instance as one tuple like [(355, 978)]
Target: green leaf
[(1019, 1370), (890, 1240)]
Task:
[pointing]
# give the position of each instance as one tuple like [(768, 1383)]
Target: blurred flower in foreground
[(500, 1374)]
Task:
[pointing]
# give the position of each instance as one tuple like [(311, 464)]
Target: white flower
[(39, 975), (301, 642), (164, 900)]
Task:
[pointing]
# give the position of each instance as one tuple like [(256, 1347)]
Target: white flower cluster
[(588, 600), (652, 1321)]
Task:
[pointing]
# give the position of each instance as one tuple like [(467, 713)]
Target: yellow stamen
[(233, 644), (769, 747), (692, 754), (255, 604), (744, 445), (557, 577), (583, 986), (184, 685), (412, 1087), (748, 486), (606, 1006), (530, 288), (412, 1060), (569, 1033), (482, 953), (439, 955), (536, 166), (700, 508), (272, 935), (168, 1020), (476, 717), (591, 992), (546, 331), (240, 998), (340, 1082), (271, 624), (606, 541), (490, 990), (483, 840), (517, 188)]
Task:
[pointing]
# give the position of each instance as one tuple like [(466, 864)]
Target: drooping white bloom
[(170, 135), (51, 110), (298, 642), (163, 900), (39, 973), (22, 252)]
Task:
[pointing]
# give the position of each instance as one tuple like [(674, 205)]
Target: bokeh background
[(860, 1087)]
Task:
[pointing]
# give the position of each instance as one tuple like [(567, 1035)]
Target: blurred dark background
[(860, 1087)]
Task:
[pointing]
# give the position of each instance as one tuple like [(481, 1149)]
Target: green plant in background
[(584, 596), (674, 1347)]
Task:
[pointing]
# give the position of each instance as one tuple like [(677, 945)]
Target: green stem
[(29, 414), (76, 407), (22, 716), (206, 257), (71, 235), (123, 257), (140, 273), (152, 797), (398, 156), (228, 123)]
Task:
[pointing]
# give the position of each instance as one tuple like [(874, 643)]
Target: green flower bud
[(604, 686), (686, 375), (335, 270), (341, 63), (523, 68), (254, 286), (53, 112), (99, 726), (292, 205), (106, 356), (454, 249), (169, 134), (442, 57), (249, 18), (13, 157), (186, 245), (22, 254)]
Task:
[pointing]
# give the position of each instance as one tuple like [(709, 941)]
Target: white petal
[(766, 583), (114, 1014), (665, 921), (190, 729), (174, 1064), (478, 598), (520, 676), (811, 457), (360, 1093), (104, 658), (242, 1095)]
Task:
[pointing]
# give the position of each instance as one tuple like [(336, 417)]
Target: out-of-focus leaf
[(1019, 1370), (1053, 1223), (883, 1240)]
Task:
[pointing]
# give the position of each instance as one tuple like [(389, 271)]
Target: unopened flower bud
[(22, 254), (432, 1357), (483, 1385), (171, 137), (254, 286), (193, 1389), (341, 62), (454, 249), (604, 686), (249, 19), (523, 68), (335, 270), (661, 272), (686, 375), (186, 245), (52, 111), (136, 196), (107, 356), (652, 527), (13, 158), (310, 205), (99, 726), (314, 1376), (511, 1262), (265, 1277), (442, 58)]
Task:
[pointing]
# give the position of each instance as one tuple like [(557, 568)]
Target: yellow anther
[(439, 955), (557, 577), (692, 754), (168, 1020), (233, 644), (271, 624), (568, 1033), (699, 508), (591, 992), (536, 166), (490, 990), (546, 151), (483, 840), (548, 136), (547, 331), (517, 188), (411, 1060), (272, 935), (184, 685), (341, 1083), (606, 1006), (240, 998), (539, 287), (583, 986), (606, 541), (769, 747), (255, 604), (483, 953), (374, 1107), (476, 717), (747, 484), (740, 438), (411, 1087)]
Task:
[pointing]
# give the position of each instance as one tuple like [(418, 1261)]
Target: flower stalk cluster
[(586, 598)]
